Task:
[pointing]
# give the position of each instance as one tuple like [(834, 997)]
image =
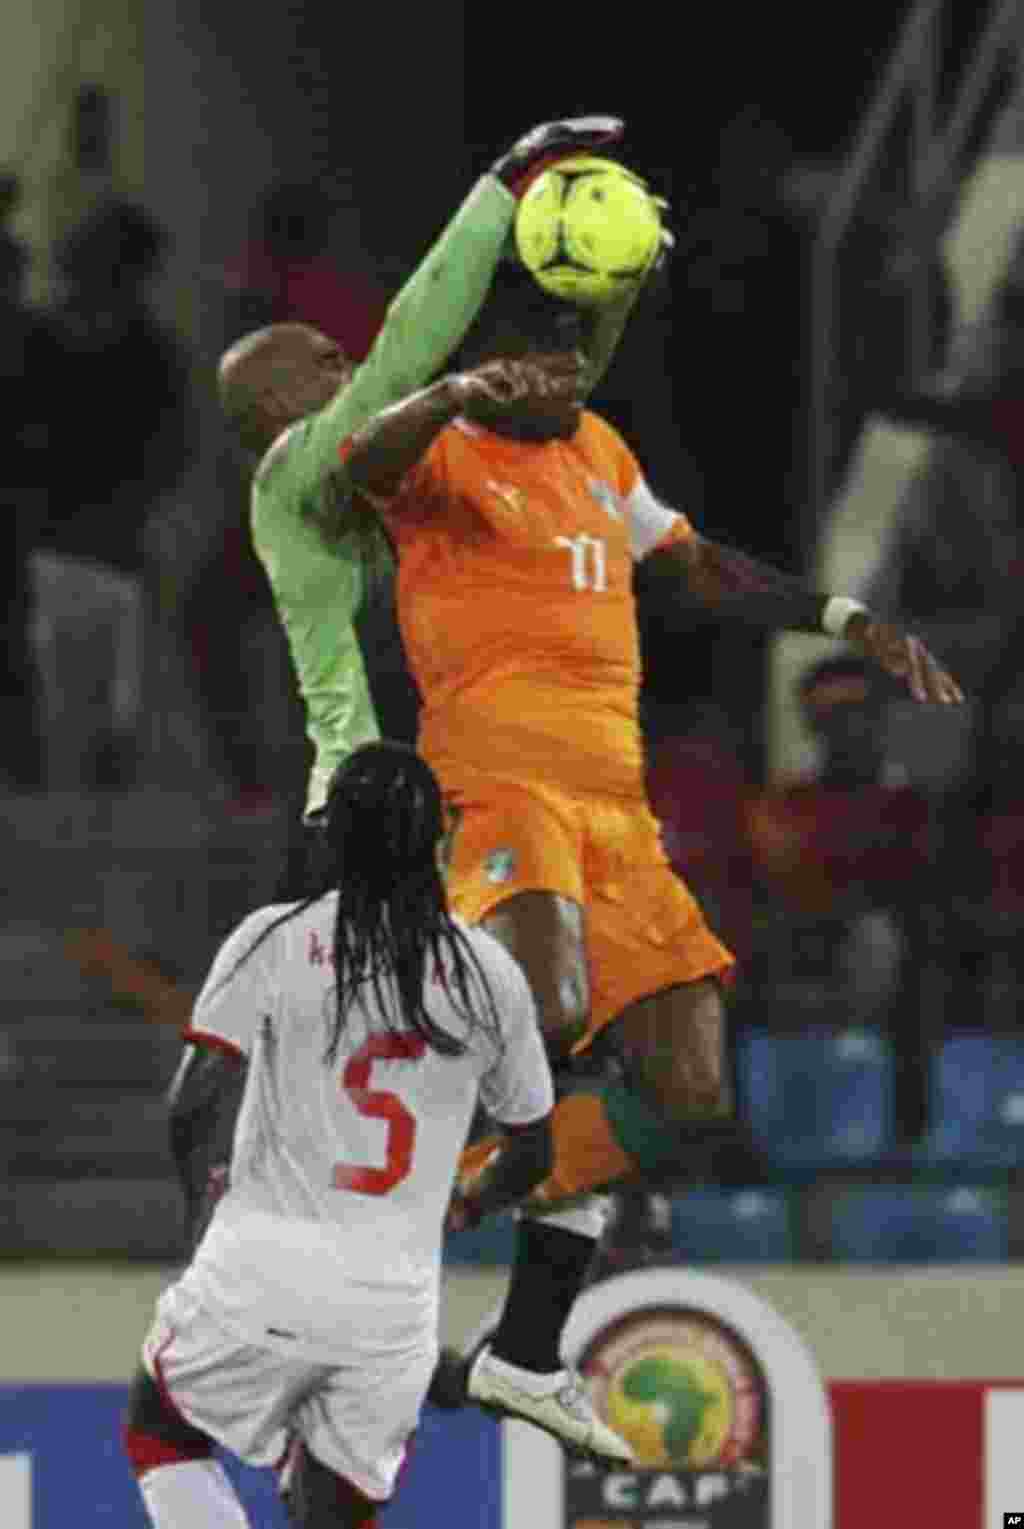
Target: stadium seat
[(492, 1242), (819, 1098), (914, 1225), (976, 1090), (732, 1226)]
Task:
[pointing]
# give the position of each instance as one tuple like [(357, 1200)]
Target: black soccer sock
[(550, 1268)]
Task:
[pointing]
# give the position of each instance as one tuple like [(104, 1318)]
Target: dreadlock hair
[(382, 827)]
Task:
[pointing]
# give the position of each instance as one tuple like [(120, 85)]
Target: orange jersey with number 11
[(516, 607)]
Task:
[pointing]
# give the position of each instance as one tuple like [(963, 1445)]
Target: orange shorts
[(644, 930)]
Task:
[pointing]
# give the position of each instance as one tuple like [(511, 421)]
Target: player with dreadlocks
[(358, 1029)]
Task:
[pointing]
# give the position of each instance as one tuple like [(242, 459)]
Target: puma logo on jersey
[(605, 497), (512, 497)]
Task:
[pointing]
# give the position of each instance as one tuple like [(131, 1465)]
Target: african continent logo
[(673, 1405)]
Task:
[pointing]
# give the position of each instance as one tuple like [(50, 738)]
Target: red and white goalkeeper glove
[(549, 143)]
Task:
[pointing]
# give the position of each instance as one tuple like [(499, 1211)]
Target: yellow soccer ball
[(588, 229)]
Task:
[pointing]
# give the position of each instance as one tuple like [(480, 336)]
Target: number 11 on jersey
[(589, 567)]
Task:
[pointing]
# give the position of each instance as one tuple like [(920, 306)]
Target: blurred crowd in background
[(860, 899)]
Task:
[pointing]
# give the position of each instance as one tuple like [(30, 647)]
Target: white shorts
[(356, 1419)]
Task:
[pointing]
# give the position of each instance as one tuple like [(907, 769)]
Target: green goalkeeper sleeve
[(316, 553)]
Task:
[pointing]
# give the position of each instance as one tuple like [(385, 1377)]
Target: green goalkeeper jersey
[(317, 551)]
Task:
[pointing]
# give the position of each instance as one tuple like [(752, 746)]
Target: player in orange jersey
[(517, 517)]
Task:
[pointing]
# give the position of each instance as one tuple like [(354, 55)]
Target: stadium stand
[(918, 1225), (977, 1103), (712, 1225), (817, 1098)]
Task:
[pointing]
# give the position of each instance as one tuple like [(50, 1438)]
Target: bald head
[(275, 376)]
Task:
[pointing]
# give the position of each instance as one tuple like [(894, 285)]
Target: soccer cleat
[(557, 1403)]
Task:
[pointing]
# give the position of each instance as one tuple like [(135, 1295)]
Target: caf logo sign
[(718, 1396), (681, 1389)]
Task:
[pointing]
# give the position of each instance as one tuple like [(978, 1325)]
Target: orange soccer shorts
[(644, 929)]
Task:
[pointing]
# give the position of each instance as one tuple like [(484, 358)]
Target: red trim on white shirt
[(213, 1042)]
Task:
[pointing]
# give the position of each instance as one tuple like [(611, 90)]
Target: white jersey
[(341, 1171)]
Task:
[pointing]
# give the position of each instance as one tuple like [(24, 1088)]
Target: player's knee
[(317, 1498), (153, 1433), (702, 1090), (675, 1045)]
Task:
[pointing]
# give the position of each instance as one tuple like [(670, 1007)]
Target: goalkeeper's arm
[(610, 318), (432, 313)]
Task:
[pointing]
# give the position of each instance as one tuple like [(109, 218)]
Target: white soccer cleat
[(557, 1403)]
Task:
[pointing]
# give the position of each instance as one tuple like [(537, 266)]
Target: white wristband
[(837, 613)]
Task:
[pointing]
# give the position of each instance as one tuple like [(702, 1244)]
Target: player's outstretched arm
[(380, 455), (740, 588), (609, 322), (432, 313)]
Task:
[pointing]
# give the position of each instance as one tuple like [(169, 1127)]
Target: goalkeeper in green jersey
[(294, 398)]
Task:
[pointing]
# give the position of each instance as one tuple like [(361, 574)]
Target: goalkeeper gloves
[(549, 143)]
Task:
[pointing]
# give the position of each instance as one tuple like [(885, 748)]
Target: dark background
[(709, 386), (397, 109)]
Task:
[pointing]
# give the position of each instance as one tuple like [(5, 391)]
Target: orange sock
[(587, 1155)]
